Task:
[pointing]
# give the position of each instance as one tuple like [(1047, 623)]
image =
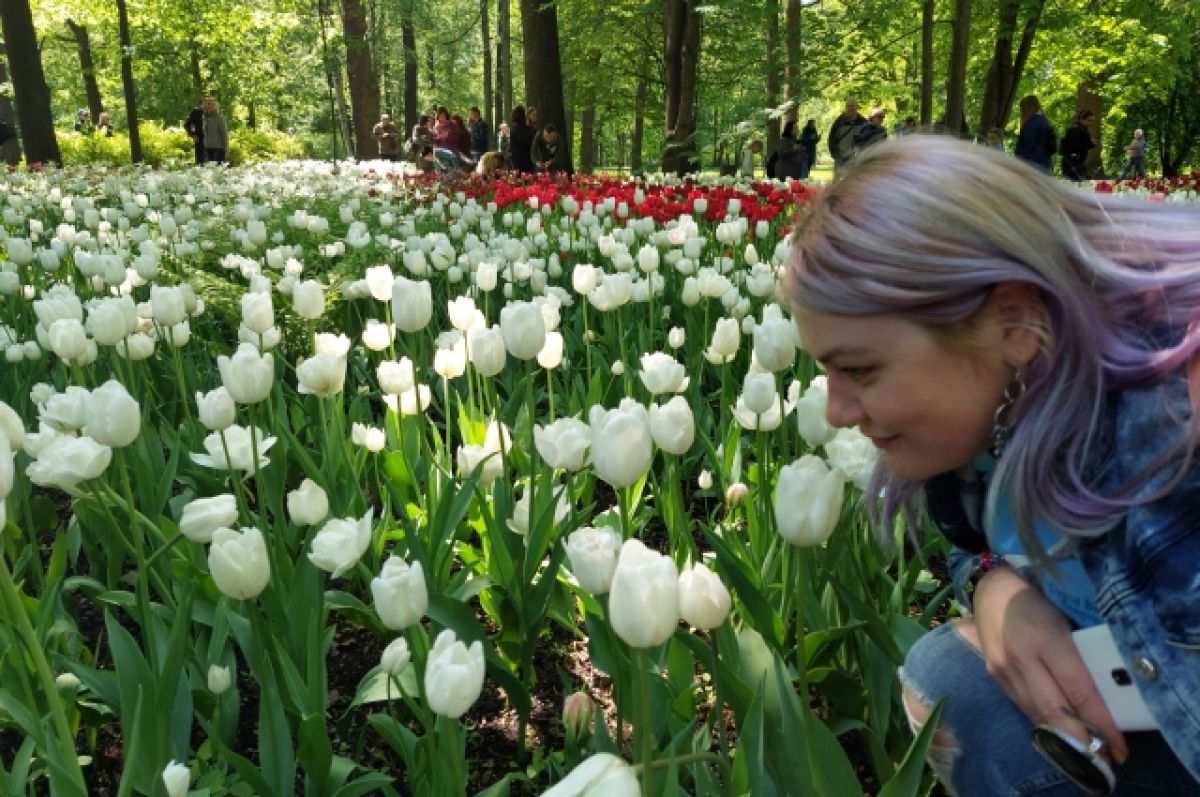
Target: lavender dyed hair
[(924, 227)]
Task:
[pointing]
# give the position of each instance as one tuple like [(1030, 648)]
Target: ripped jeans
[(988, 752)]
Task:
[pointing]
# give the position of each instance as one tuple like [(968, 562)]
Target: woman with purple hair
[(1025, 357)]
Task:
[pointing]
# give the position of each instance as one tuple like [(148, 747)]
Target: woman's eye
[(856, 374)]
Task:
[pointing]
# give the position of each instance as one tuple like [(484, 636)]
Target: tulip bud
[(308, 504), (808, 501), (113, 417), (258, 312), (176, 777), (308, 300), (238, 562), (704, 601), (810, 413), (523, 329), (396, 657), (219, 679), (203, 516), (593, 553), (486, 346), (578, 714), (453, 675), (736, 493), (412, 304), (676, 337), (775, 344), (621, 442), (400, 594), (673, 426), (643, 606), (758, 392)]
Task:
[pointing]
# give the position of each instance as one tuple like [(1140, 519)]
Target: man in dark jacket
[(841, 135), (479, 133), (872, 132), (194, 127)]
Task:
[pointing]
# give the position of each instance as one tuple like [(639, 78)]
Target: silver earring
[(1002, 420)]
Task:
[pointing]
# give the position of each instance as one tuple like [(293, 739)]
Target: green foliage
[(165, 146), (253, 146)]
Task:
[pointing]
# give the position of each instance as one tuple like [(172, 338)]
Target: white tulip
[(673, 426), (621, 442), (662, 373), (341, 542), (400, 594), (593, 553), (308, 504), (704, 601), (643, 605), (238, 562), (523, 329), (202, 516), (563, 444), (808, 501), (453, 675), (216, 409)]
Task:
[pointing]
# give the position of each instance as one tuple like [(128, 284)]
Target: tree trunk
[(486, 33), (793, 40), (29, 83), (504, 77), (87, 67), (360, 72), (956, 87), (197, 76), (772, 83), (681, 51), (639, 127), (1087, 98), (1004, 72), (10, 151), (926, 63), (408, 35), (131, 113), (543, 67)]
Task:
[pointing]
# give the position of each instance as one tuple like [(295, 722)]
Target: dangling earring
[(1001, 420)]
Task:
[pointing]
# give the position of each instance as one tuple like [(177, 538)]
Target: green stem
[(34, 649), (642, 663)]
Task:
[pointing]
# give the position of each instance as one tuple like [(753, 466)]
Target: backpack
[(771, 164)]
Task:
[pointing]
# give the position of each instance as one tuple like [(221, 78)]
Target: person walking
[(789, 155), (749, 156), (1036, 142), (504, 141), (1136, 152), (216, 134), (1077, 141), (841, 135), (387, 137), (809, 138)]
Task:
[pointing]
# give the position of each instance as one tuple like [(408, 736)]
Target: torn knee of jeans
[(918, 710)]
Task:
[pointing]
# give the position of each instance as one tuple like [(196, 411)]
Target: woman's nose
[(843, 408)]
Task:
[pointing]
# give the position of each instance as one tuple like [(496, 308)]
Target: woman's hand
[(1026, 642)]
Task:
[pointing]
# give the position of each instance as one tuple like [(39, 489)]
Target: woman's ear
[(1024, 324)]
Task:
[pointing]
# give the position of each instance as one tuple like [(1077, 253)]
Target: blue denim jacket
[(1146, 572)]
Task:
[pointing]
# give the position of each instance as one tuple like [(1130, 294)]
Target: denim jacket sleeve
[(1145, 570)]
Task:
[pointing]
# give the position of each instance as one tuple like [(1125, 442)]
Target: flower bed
[(297, 405)]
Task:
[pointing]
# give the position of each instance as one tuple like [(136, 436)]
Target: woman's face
[(928, 409)]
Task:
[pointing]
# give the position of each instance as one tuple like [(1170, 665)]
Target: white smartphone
[(1114, 681)]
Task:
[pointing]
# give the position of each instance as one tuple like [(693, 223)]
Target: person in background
[(83, 122), (521, 134), (872, 132), (547, 153), (504, 141), (1077, 141), (194, 127), (489, 163), (841, 135), (462, 139), (749, 154), (105, 125), (1036, 139), (420, 142), (907, 127), (387, 137), (1136, 152), (809, 138), (995, 139), (1025, 358), (479, 133), (216, 134), (789, 160), (444, 134), (534, 118)]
